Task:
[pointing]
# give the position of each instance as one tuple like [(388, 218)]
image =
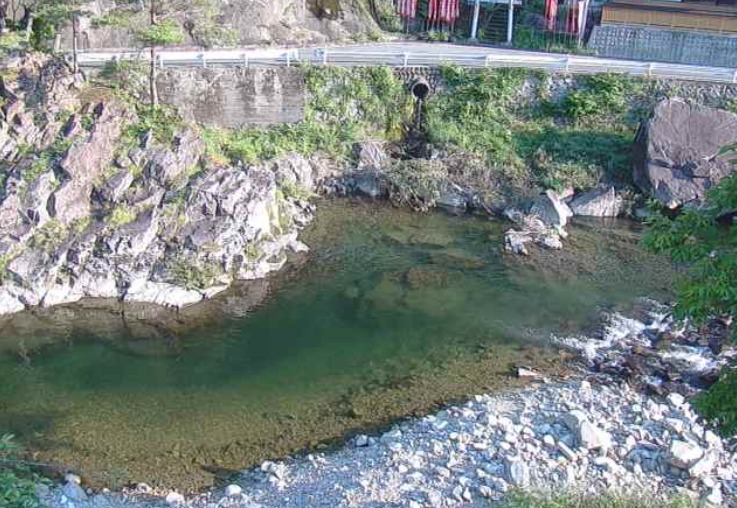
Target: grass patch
[(121, 215), (588, 501), (560, 156)]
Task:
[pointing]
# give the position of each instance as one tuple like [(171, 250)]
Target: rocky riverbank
[(595, 432), (99, 203)]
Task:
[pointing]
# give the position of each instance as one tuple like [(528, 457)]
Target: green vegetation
[(10, 41), (719, 404), (294, 190), (162, 122), (577, 141), (344, 106), (121, 215), (194, 274), (587, 501), (5, 260), (707, 244), (705, 240), (17, 482), (476, 112), (416, 183), (49, 236)]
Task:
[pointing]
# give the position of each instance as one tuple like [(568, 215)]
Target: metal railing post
[(568, 65), (161, 60), (734, 76), (204, 60), (245, 60), (289, 58), (406, 60), (325, 56), (650, 69)]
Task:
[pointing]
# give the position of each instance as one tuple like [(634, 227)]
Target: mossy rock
[(456, 258), (422, 277), (437, 302), (386, 295)]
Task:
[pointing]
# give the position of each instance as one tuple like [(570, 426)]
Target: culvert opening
[(420, 89)]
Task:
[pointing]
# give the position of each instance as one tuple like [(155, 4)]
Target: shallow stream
[(392, 313)]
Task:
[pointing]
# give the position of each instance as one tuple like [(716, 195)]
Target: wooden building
[(716, 16)]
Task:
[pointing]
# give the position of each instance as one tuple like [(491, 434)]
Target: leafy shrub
[(719, 404), (416, 183), (17, 482), (192, 274)]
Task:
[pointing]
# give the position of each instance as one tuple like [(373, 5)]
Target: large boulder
[(601, 202), (678, 152)]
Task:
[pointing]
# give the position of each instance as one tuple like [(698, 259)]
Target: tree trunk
[(3, 16), (75, 43), (153, 90), (29, 15)]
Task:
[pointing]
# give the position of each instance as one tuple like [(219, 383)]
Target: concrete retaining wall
[(662, 45), (235, 97)]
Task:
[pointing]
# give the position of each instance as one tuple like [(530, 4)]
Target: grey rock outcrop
[(678, 152), (84, 163), (252, 22), (601, 202), (85, 215)]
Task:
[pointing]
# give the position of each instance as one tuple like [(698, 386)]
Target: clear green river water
[(392, 314)]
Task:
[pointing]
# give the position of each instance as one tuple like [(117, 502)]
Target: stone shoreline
[(594, 433)]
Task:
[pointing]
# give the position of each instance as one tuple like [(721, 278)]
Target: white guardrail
[(346, 57)]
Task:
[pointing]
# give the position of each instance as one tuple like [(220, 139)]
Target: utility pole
[(475, 25), (510, 22)]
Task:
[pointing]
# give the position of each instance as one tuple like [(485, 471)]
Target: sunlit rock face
[(252, 22)]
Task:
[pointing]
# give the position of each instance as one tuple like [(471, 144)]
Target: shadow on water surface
[(391, 314)]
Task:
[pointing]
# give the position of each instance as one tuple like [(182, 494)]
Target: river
[(392, 314)]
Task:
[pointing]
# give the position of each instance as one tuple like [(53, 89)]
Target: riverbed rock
[(684, 454), (530, 228), (601, 202), (74, 492), (551, 210), (678, 152), (588, 435), (175, 498), (233, 491), (518, 472)]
